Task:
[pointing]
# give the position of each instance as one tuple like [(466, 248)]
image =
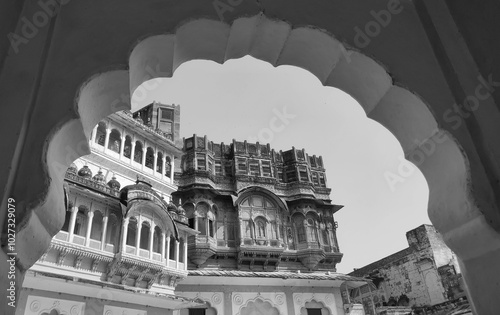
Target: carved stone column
[(90, 216)]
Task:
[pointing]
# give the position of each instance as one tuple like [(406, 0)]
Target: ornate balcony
[(200, 248)]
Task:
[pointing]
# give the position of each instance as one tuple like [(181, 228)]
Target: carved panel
[(114, 310), (36, 305), (275, 299)]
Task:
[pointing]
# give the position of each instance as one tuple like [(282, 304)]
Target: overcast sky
[(247, 99)]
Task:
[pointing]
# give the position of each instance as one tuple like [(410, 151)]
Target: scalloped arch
[(277, 42)]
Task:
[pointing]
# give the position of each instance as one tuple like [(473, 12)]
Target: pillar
[(72, 221), (163, 167), (132, 151), (144, 151), (124, 235), (172, 169), (167, 254), (162, 249), (104, 231), (94, 131), (138, 237), (176, 254), (185, 244), (122, 145), (90, 215), (155, 157), (242, 233), (106, 140), (151, 234)]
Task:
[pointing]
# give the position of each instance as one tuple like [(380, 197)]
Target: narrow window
[(201, 226), (218, 168), (150, 158), (157, 240), (303, 174), (112, 230), (96, 232), (80, 223), (127, 149), (100, 135), (172, 248), (200, 160), (322, 180), (138, 152), (266, 168), (131, 232), (144, 236), (159, 163), (241, 166), (211, 228), (254, 167), (115, 140)]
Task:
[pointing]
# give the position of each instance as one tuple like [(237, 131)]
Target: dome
[(114, 184), (172, 207), (180, 210), (99, 178), (73, 169), (85, 172)]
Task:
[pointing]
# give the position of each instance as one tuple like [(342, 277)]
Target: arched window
[(96, 232), (299, 222), (150, 158), (115, 140), (260, 228), (100, 136), (202, 212), (132, 231), (324, 233), (167, 167), (311, 230), (112, 230), (159, 163), (202, 225), (172, 248), (127, 149), (312, 227), (138, 152), (145, 236), (157, 240), (81, 222), (181, 250)]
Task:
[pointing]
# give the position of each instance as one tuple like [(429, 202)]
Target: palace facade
[(156, 224)]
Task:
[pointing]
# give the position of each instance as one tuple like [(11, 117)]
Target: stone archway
[(259, 307), (452, 207)]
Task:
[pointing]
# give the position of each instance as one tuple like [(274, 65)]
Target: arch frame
[(470, 225)]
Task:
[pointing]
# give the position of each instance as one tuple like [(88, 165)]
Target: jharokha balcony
[(134, 239)]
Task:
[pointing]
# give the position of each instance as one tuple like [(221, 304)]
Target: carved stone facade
[(256, 208), (136, 242)]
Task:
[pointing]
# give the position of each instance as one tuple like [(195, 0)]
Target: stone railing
[(90, 183)]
